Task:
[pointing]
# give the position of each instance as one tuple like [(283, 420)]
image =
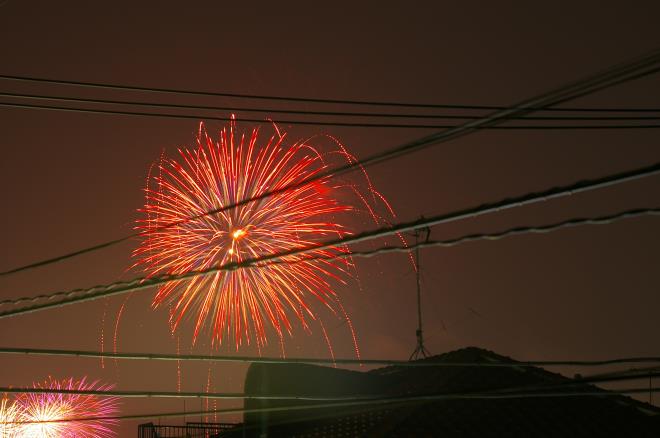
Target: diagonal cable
[(160, 357), (331, 123), (362, 403), (87, 84), (89, 294), (639, 67), (534, 390), (31, 97)]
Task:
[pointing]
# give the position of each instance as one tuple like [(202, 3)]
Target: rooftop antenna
[(420, 350)]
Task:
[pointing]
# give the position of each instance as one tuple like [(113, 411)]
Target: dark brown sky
[(69, 181)]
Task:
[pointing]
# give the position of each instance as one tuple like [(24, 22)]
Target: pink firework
[(244, 302), (41, 414)]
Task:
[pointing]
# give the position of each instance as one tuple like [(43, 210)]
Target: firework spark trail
[(208, 389), (376, 195), (327, 341), (102, 340), (246, 302), (37, 412), (352, 329), (178, 364), (121, 309), (8, 417), (282, 351), (120, 312)]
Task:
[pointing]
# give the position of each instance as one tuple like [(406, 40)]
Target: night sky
[(68, 180)]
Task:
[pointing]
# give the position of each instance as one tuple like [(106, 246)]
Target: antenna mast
[(420, 350)]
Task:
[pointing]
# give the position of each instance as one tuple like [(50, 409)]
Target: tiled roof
[(515, 417)]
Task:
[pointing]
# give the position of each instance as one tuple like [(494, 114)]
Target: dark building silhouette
[(566, 416), (607, 415)]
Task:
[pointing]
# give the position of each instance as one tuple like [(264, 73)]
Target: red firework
[(217, 174), (41, 414)]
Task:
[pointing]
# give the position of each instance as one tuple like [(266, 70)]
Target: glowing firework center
[(235, 236)]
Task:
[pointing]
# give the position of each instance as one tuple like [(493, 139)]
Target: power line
[(179, 394), (301, 99), (370, 406), (335, 401), (542, 229), (142, 282), (507, 203), (638, 373), (162, 357), (312, 397), (325, 361), (617, 74), (319, 123), (316, 113), (372, 402), (581, 381), (305, 407)]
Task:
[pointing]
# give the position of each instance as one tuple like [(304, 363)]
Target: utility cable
[(388, 401), (241, 396), (310, 397), (581, 381), (315, 113), (602, 220), (617, 74), (322, 123), (324, 361), (507, 203), (298, 99), (543, 229), (639, 372)]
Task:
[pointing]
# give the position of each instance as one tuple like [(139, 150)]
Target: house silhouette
[(600, 414)]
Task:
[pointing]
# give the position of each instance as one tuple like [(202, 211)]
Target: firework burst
[(243, 303), (8, 418), (39, 415)]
